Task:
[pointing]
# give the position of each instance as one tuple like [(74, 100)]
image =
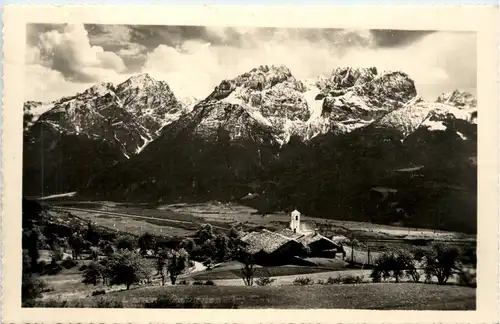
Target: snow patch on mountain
[(127, 113)]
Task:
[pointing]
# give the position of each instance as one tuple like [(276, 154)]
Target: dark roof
[(306, 239), (265, 241)]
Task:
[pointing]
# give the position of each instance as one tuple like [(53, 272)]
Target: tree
[(441, 261), (247, 270), (92, 235), (146, 242), (161, 263), (125, 243), (126, 268), (93, 274), (396, 264), (77, 244), (94, 253), (188, 244), (177, 263), (205, 233), (56, 252), (33, 240), (31, 286)]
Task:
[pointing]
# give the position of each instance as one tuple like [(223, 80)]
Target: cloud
[(70, 53), (46, 84), (438, 62), (109, 35), (193, 60), (132, 50)]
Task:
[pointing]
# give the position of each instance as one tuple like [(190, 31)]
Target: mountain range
[(357, 144)]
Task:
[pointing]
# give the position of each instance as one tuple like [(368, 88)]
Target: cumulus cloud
[(193, 60), (438, 62), (70, 53), (46, 84)]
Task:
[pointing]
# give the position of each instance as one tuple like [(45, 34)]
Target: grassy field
[(227, 214), (361, 296)]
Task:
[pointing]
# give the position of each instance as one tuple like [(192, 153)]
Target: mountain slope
[(68, 140), (354, 145)]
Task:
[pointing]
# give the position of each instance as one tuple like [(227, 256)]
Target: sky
[(62, 60)]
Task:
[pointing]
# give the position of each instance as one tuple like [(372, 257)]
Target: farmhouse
[(270, 247), (285, 245)]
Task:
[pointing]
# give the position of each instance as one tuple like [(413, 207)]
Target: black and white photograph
[(274, 167), (229, 167)]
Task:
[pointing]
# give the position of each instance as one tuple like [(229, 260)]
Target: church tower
[(295, 221)]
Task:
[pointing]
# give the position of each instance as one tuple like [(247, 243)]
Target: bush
[(183, 282), (83, 267), (334, 281), (98, 292), (52, 269), (209, 283), (303, 281), (265, 281), (320, 282), (352, 279), (69, 263), (198, 283)]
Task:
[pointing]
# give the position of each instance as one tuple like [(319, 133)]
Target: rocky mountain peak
[(458, 98), (129, 114), (355, 97)]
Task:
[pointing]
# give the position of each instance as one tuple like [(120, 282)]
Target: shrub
[(52, 269), (98, 292), (265, 281), (83, 267), (125, 243), (334, 281), (209, 283), (69, 263), (350, 279), (183, 282), (320, 282), (198, 283), (303, 281)]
